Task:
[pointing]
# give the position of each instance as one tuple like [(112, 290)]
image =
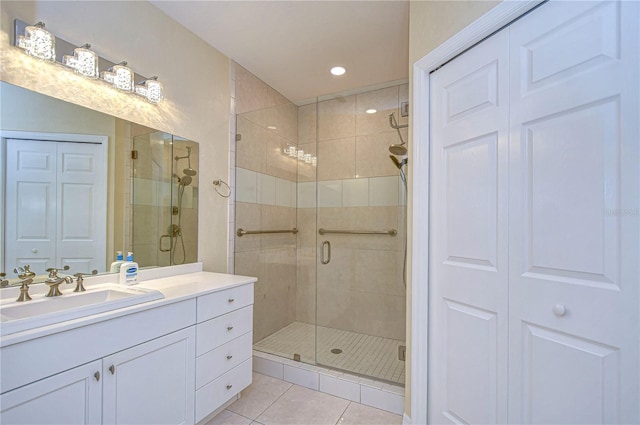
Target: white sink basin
[(43, 311)]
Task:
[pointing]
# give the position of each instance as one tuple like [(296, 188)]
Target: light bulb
[(38, 42), (151, 89), (120, 76), (83, 61)]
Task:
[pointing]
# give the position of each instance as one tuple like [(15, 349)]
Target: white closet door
[(468, 235), (30, 204), (56, 205), (81, 206), (574, 255)]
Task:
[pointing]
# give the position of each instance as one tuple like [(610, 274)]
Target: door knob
[(559, 310), (34, 250)]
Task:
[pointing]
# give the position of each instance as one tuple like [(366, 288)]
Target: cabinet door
[(71, 397), (152, 383)]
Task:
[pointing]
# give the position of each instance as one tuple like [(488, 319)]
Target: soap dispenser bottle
[(115, 266), (129, 271)]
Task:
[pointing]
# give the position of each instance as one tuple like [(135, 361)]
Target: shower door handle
[(322, 259), (161, 238)]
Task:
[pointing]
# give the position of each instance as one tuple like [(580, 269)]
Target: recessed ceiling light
[(338, 70), (371, 111), (272, 127)]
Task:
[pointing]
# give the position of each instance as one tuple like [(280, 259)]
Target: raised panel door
[(468, 237), (574, 225)]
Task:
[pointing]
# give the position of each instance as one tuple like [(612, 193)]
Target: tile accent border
[(351, 387)]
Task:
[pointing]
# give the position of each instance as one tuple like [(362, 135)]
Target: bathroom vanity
[(174, 360)]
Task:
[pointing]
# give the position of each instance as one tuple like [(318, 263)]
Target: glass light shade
[(120, 76), (314, 161), (38, 42), (151, 89), (83, 61), (301, 155), (307, 158), (290, 150)]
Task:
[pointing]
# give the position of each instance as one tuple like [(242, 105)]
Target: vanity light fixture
[(84, 61), (291, 151), (151, 89), (38, 42), (307, 158), (120, 76)]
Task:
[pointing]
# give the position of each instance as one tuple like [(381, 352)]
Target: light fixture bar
[(63, 47)]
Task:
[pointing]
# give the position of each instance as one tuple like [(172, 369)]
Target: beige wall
[(195, 77), (431, 23)]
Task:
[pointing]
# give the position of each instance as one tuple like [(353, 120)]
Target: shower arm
[(394, 124)]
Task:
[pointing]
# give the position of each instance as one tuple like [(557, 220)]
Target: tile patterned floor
[(270, 401), (362, 354)]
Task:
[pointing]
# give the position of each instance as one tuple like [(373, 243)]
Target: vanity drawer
[(216, 393), (219, 303), (215, 332), (216, 362)]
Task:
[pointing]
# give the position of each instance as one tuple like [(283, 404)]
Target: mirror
[(80, 185)]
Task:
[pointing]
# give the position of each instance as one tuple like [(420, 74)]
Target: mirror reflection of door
[(56, 200)]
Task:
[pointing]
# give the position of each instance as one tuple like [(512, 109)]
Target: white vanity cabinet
[(175, 363), (151, 383), (223, 347), (71, 397)]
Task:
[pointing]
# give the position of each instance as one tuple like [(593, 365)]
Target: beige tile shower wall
[(361, 289), (265, 199)]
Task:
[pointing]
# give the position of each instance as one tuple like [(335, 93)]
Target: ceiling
[(291, 45)]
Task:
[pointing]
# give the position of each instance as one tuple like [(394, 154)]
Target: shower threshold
[(364, 355)]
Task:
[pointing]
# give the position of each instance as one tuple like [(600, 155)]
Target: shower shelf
[(241, 232), (391, 232)]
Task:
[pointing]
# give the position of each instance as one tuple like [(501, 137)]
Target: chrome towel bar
[(241, 232), (391, 232)]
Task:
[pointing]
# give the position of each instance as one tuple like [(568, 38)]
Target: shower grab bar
[(391, 232), (241, 232)]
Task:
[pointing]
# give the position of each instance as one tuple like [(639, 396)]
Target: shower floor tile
[(362, 354)]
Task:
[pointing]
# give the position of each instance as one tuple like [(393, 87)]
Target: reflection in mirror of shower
[(175, 230)]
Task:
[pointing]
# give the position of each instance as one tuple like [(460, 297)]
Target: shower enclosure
[(330, 285), (164, 199)]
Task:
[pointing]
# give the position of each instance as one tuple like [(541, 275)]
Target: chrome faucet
[(54, 281), (3, 282)]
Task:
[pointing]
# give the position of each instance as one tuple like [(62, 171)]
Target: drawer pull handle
[(229, 328), (97, 376), (112, 369), (229, 357), (231, 300), (229, 386)]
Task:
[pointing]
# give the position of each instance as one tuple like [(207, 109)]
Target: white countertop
[(178, 283)]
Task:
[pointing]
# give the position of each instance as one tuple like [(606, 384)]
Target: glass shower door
[(360, 229)]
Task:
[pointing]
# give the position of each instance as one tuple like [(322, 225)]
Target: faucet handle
[(53, 272), (3, 282), (79, 280)]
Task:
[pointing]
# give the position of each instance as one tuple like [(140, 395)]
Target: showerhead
[(398, 163), (189, 172), (185, 180), (398, 149)]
